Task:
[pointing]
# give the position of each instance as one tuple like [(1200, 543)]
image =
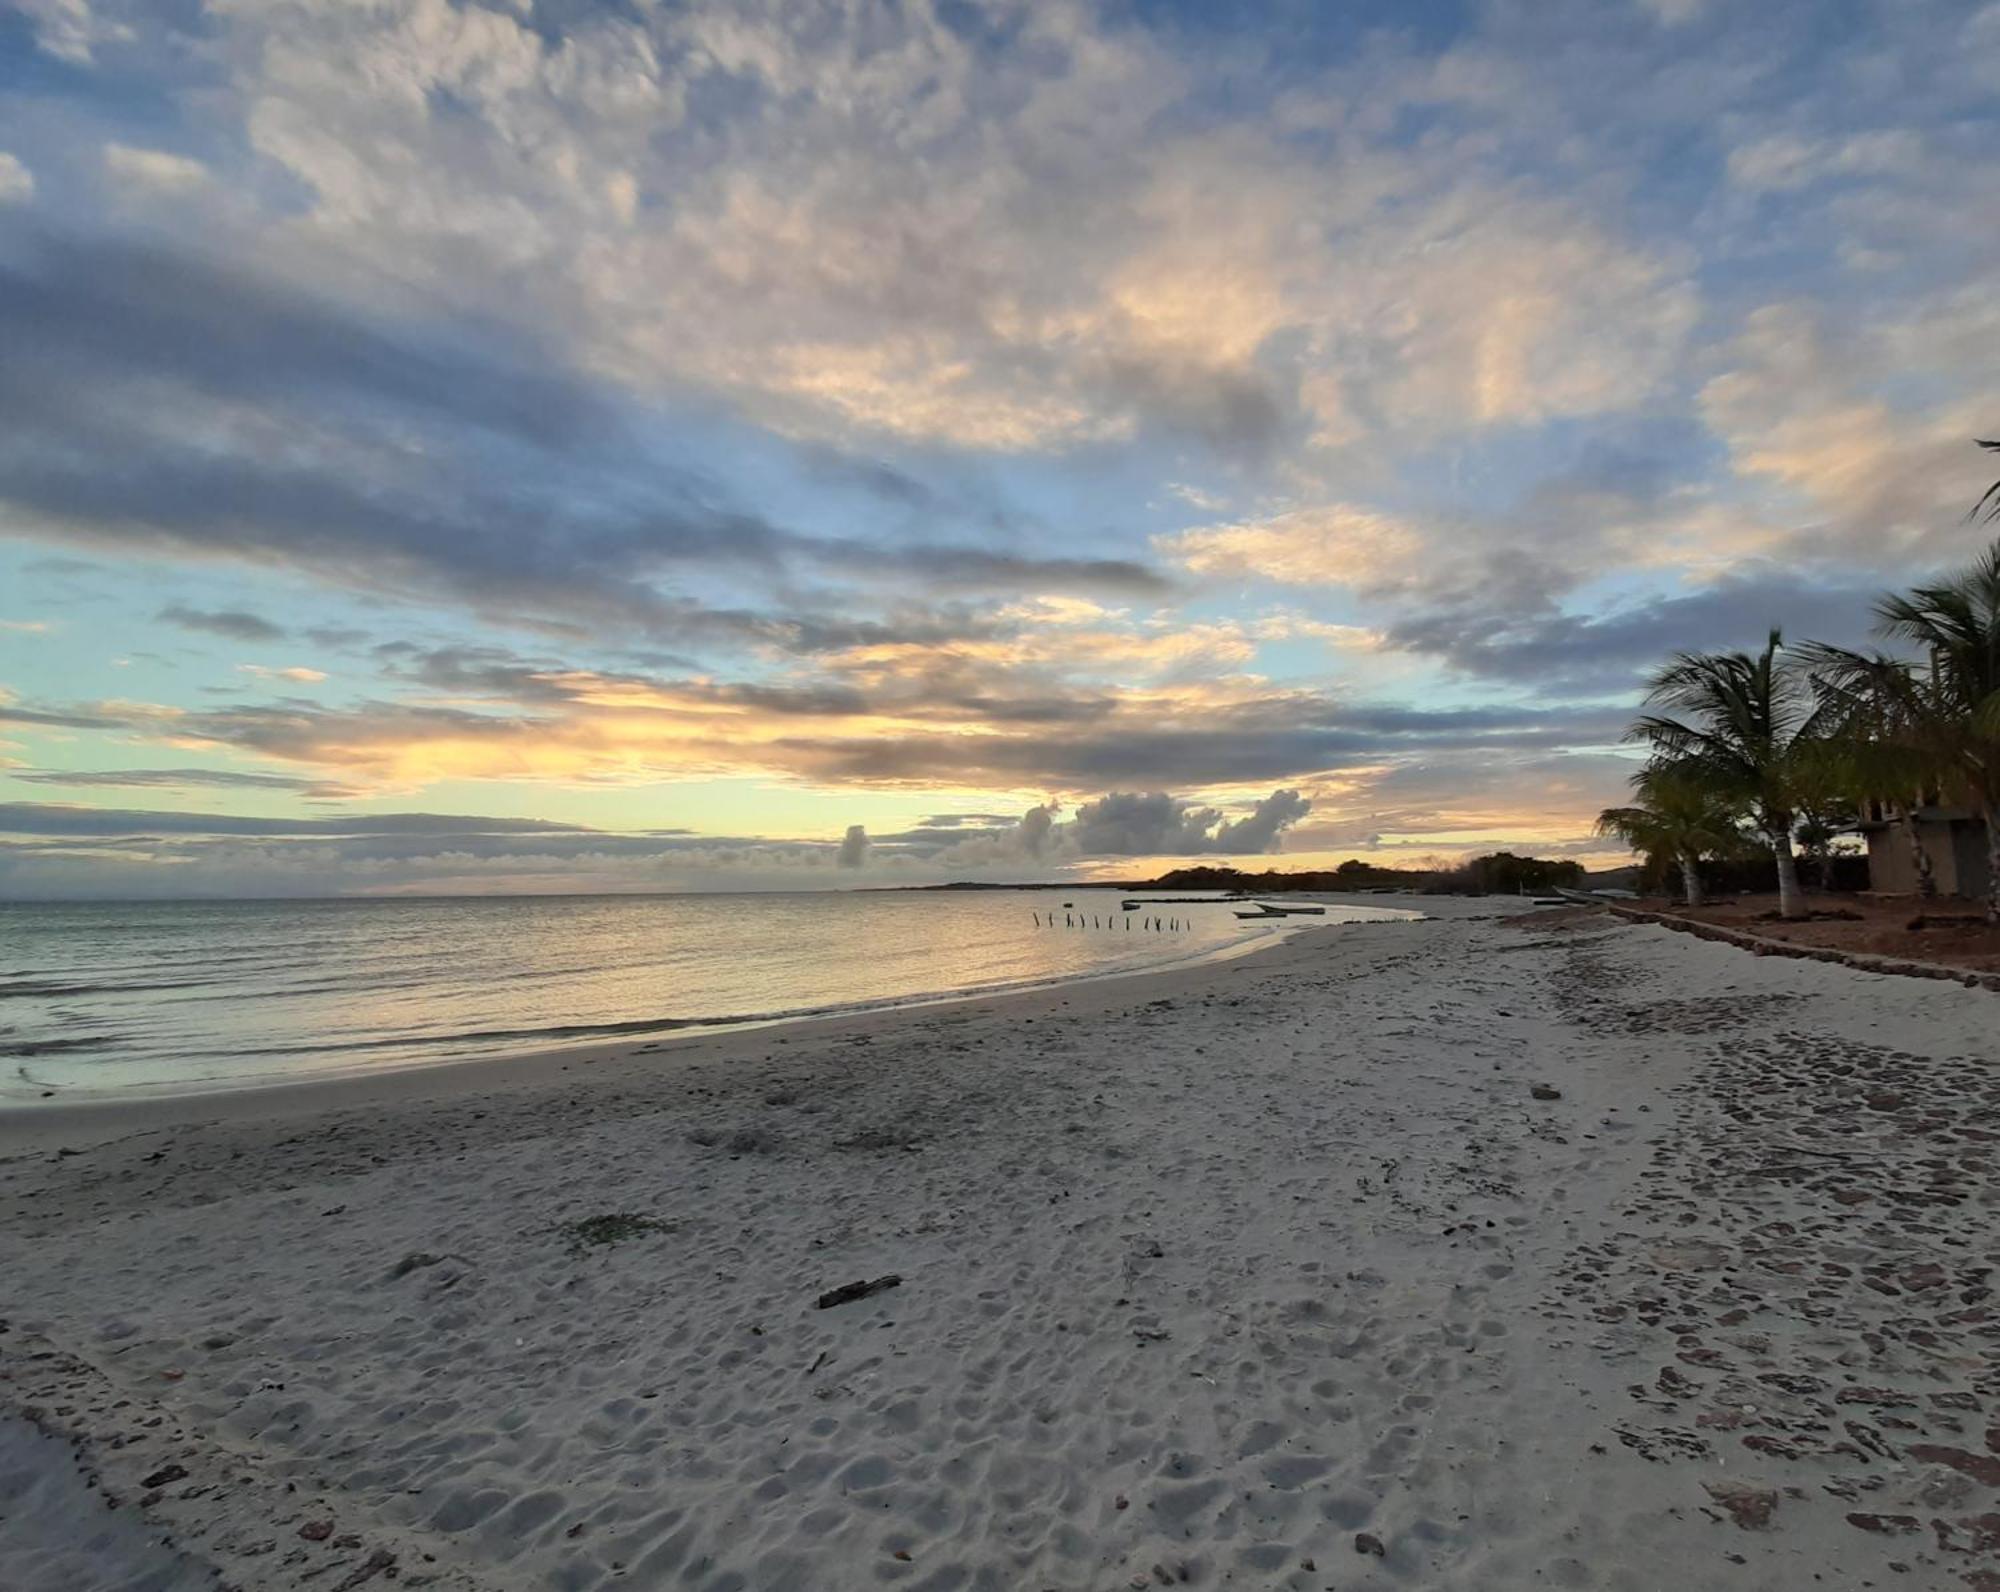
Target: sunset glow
[(458, 446)]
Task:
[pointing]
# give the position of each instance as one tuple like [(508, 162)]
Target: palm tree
[(1742, 725), (1957, 622), (1989, 500), (1677, 816), (1823, 796), (1885, 731)]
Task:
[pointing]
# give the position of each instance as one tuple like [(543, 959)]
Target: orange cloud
[(1336, 545)]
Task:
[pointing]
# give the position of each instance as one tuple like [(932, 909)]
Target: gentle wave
[(25, 989), (110, 997), (55, 1047)]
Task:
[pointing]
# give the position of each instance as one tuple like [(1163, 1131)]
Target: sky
[(548, 445)]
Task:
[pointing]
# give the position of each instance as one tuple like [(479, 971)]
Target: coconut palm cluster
[(1788, 747)]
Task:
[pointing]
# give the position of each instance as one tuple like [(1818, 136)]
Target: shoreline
[(73, 1118), (28, 1094), (1475, 1254)]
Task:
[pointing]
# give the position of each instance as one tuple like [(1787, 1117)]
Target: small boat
[(1266, 910)]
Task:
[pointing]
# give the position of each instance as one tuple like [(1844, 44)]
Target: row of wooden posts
[(1093, 920)]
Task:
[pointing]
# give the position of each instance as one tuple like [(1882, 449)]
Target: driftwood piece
[(847, 1293)]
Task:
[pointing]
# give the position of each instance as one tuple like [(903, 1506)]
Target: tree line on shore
[(1788, 748), (1497, 873)]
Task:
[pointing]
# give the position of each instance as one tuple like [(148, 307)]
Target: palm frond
[(1989, 500)]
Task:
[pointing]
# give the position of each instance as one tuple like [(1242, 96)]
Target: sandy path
[(1274, 1274)]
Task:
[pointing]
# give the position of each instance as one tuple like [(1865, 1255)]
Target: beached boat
[(1266, 910)]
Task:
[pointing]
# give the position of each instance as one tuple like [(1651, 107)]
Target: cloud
[(1040, 234), (17, 182), (1607, 653), (781, 390), (1125, 824), (180, 778), (72, 30), (233, 623), (1283, 736), (587, 727), (1132, 825), (1443, 804), (297, 673), (980, 569), (999, 841), (335, 637), (1268, 820), (414, 459), (1038, 836), (1037, 829), (1448, 804), (55, 818), (1806, 407), (1336, 545), (1786, 161), (75, 851), (11, 712), (173, 864), (155, 171)]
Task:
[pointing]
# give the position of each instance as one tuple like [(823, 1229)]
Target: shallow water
[(110, 996)]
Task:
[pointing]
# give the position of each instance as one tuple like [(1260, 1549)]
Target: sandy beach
[(1499, 1250)]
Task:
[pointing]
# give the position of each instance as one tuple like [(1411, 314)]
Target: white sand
[(1218, 1278)]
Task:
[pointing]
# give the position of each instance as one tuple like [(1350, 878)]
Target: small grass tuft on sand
[(616, 1227)]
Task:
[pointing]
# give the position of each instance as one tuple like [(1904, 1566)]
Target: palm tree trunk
[(1992, 863), (1691, 878), (1920, 854), (1791, 901)]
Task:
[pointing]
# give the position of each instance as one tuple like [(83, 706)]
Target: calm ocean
[(179, 995)]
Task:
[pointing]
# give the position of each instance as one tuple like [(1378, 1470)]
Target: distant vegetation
[(1355, 875), (1501, 873), (1785, 750)]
